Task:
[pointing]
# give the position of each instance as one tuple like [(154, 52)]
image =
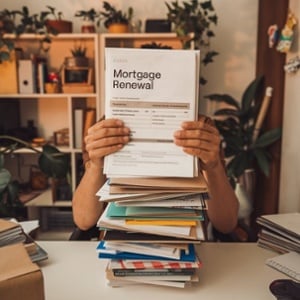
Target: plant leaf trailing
[(236, 126), (26, 23), (51, 161)]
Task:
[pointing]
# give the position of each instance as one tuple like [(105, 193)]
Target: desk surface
[(230, 271)]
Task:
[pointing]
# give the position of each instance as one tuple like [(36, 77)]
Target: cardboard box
[(20, 278)]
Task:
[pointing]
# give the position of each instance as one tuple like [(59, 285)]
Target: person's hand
[(105, 137), (202, 139)]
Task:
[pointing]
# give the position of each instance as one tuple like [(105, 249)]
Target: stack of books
[(280, 232), (12, 233), (151, 238)]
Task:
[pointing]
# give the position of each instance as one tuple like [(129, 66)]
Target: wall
[(235, 37), (289, 197)]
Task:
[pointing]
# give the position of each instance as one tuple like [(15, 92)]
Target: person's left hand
[(202, 139)]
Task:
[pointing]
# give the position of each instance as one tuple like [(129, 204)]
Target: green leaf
[(5, 178), (268, 138), (209, 57), (1, 161), (226, 112), (13, 193), (262, 161), (53, 162), (250, 93), (224, 98), (238, 164)]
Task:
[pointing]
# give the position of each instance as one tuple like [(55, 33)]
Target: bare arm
[(202, 139), (103, 138)]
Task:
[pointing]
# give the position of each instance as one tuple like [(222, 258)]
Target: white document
[(288, 263), (153, 91)]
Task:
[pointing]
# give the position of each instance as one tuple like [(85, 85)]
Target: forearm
[(223, 204), (86, 205)]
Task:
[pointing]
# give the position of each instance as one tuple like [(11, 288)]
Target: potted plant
[(236, 124), (52, 163), (115, 20), (89, 17), (57, 24), (193, 18), (18, 22), (78, 58)]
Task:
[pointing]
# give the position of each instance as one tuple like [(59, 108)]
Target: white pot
[(245, 208)]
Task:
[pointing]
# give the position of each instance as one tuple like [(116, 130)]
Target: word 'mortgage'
[(134, 79)]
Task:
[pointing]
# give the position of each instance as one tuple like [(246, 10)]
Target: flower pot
[(88, 27), (71, 62), (247, 179), (60, 26), (244, 190), (118, 28), (245, 205)]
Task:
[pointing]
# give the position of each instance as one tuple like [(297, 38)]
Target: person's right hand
[(105, 137)]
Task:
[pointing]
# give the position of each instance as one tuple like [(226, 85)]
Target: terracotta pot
[(88, 27), (72, 61), (118, 28), (61, 26)]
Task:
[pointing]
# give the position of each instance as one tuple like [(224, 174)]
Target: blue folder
[(186, 257)]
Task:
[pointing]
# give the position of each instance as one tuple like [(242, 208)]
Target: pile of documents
[(12, 232), (151, 238), (280, 232), (155, 196)]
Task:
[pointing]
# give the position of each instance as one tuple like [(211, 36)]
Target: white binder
[(26, 76)]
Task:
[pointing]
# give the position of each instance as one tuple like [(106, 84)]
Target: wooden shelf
[(45, 200)]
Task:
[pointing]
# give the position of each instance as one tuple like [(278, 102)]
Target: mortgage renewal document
[(153, 91)]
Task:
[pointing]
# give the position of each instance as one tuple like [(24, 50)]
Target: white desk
[(231, 271)]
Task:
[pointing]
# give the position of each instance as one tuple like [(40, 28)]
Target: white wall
[(235, 37), (289, 199)]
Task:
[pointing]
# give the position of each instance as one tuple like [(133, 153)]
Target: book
[(280, 232), (288, 263), (143, 252), (78, 127), (140, 90), (41, 76), (124, 264), (12, 232), (125, 236), (285, 223), (152, 213), (188, 232), (89, 119)]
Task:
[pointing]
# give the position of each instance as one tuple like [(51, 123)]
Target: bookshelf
[(53, 112)]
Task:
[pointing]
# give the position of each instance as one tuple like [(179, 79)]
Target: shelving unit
[(52, 112)]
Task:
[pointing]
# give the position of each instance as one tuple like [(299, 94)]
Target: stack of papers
[(280, 232), (155, 196), (12, 233), (152, 244)]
